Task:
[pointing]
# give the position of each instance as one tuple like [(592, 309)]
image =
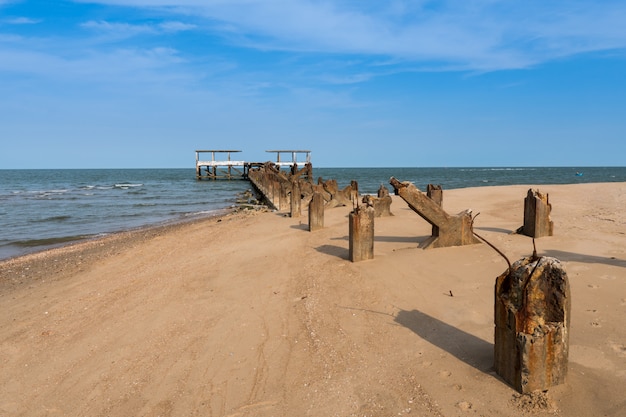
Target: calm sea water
[(44, 208)]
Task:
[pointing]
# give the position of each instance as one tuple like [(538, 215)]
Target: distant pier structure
[(222, 166), (219, 167), (294, 158)]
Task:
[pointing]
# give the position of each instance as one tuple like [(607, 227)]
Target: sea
[(41, 209)]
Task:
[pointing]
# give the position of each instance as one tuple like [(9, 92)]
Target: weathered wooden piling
[(450, 230), (361, 234), (532, 310), (537, 210), (316, 212), (295, 198)]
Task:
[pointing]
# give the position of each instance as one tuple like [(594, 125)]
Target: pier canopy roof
[(294, 158)]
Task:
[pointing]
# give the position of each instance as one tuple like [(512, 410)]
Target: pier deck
[(215, 168)]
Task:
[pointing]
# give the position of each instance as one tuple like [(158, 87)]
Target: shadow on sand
[(470, 349), (581, 257)]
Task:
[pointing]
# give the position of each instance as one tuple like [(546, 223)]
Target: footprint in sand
[(620, 349), (593, 286), (595, 324), (445, 374), (623, 300), (464, 405)]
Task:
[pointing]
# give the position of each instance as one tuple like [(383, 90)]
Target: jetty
[(221, 164)]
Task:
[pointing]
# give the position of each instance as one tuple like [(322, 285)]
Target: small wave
[(125, 186), (60, 191), (53, 219), (30, 243)]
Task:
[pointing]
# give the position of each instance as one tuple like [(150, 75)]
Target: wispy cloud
[(21, 20), (474, 34), (124, 30)]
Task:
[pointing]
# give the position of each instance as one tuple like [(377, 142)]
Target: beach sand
[(253, 315)]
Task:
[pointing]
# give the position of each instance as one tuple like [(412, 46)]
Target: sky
[(360, 83)]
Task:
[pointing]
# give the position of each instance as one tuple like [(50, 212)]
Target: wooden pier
[(222, 166)]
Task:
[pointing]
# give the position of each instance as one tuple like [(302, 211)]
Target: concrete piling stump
[(316, 212), (296, 197), (361, 234), (537, 210), (532, 310)]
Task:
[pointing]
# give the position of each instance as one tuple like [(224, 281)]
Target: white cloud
[(128, 30), (119, 29), (22, 21), (473, 34), (174, 26)]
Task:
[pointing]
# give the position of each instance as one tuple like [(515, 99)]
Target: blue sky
[(144, 83)]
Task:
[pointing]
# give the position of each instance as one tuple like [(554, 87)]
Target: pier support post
[(361, 234), (316, 212), (283, 199), (296, 197), (532, 310), (537, 210)]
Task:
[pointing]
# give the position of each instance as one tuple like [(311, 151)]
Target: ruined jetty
[(221, 165)]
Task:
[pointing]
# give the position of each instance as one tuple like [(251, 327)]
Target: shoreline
[(71, 256)]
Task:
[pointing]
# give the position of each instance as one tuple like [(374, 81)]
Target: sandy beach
[(251, 314)]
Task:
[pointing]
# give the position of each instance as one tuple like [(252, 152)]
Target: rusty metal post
[(296, 197), (532, 315), (361, 234), (316, 212), (537, 210)]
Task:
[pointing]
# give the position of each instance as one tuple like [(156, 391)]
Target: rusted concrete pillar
[(316, 212), (296, 197), (537, 210), (532, 314), (361, 234)]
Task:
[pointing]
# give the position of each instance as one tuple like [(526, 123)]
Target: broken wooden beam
[(450, 230)]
